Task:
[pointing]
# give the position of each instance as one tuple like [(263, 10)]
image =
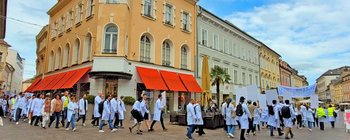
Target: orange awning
[(44, 83), (77, 76), (56, 80), (64, 79), (190, 83), (34, 83), (173, 81), (151, 78)]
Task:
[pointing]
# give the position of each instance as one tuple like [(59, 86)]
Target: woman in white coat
[(191, 118), (230, 118), (36, 107), (199, 122), (264, 116), (158, 113), (309, 117), (257, 117), (97, 115), (145, 111), (121, 111), (243, 120), (107, 115), (274, 121), (83, 108), (72, 110)]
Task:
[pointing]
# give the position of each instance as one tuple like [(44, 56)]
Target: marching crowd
[(248, 116)]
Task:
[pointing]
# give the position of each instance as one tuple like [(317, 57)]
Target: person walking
[(114, 111), (96, 114), (71, 112), (191, 118), (56, 109), (256, 120), (321, 115), (36, 109), (30, 114), (274, 121), (46, 112), (136, 113), (303, 114), (244, 114), (299, 116), (264, 117), (121, 111), (158, 113), (309, 117), (287, 112), (230, 118), (251, 118), (331, 115), (107, 115), (223, 111), (21, 102), (65, 101), (199, 122), (145, 111), (83, 108)]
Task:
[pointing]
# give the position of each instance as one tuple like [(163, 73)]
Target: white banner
[(271, 95), (297, 92), (314, 101)]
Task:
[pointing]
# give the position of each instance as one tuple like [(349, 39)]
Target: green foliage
[(128, 100), (90, 98), (219, 76)]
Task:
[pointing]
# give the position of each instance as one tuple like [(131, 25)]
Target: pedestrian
[(315, 118), (1, 112), (303, 114), (309, 117), (158, 113), (96, 114), (251, 118), (274, 121), (36, 108), (331, 115), (321, 115), (107, 115), (299, 116), (243, 113), (56, 109), (65, 101), (145, 111), (83, 108), (223, 113), (114, 111), (30, 113), (256, 120), (46, 112), (191, 118), (264, 117), (136, 113), (287, 112), (72, 110), (21, 106), (12, 107), (121, 111), (230, 118), (199, 122)]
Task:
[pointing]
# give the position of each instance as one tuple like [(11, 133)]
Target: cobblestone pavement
[(24, 131)]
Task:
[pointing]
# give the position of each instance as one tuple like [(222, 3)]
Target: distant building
[(26, 84), (298, 80), (286, 73), (345, 85), (336, 90), (269, 68), (14, 80)]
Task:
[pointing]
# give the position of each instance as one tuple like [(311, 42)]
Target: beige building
[(269, 68), (5, 68), (336, 90), (298, 80)]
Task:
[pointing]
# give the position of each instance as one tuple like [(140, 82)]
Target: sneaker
[(165, 129), (17, 123), (101, 131), (139, 133), (114, 130), (254, 133), (84, 124), (67, 129), (231, 135), (150, 130), (130, 129), (310, 130)]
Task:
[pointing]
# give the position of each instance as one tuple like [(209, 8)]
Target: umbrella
[(205, 81)]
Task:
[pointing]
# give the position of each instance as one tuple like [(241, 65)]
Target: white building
[(14, 81), (227, 47)]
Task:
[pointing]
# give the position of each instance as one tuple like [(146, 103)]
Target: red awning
[(56, 80), (173, 81), (151, 78), (34, 83), (190, 83), (44, 83), (77, 76), (64, 79)]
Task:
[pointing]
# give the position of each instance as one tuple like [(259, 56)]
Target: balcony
[(111, 67)]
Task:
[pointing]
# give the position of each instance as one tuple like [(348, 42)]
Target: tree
[(219, 76)]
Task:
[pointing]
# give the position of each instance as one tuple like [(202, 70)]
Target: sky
[(311, 35)]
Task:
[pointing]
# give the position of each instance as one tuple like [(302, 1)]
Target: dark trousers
[(299, 122), (36, 119), (64, 115), (316, 122), (332, 124), (116, 120), (200, 129), (322, 125), (96, 121), (55, 116), (82, 117), (242, 134), (18, 114), (161, 121), (251, 126)]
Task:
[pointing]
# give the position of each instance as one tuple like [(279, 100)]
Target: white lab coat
[(223, 108), (158, 110), (22, 103), (303, 112), (191, 116), (82, 110), (274, 119), (143, 107), (198, 113), (244, 118), (96, 102), (256, 116), (121, 109), (288, 121), (309, 115), (36, 106), (114, 107), (227, 111), (265, 115), (71, 110), (29, 105), (106, 113)]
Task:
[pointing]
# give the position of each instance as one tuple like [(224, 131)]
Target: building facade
[(286, 73), (110, 44), (269, 68), (228, 47), (15, 73), (298, 80), (346, 87), (4, 67), (336, 90)]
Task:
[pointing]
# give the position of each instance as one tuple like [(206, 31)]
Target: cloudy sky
[(311, 35)]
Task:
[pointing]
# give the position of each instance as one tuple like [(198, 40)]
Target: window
[(58, 63), (53, 30), (216, 42), (51, 63), (111, 38), (60, 26), (168, 14), (66, 55), (250, 79), (184, 55), (225, 46), (90, 8), (145, 53), (87, 47), (185, 21), (112, 1), (243, 78), (78, 13), (235, 76), (148, 6), (76, 52), (204, 37), (69, 19), (166, 54), (256, 80)]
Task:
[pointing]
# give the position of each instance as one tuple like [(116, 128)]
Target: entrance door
[(111, 87)]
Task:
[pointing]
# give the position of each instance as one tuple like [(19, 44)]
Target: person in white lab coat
[(136, 113), (145, 111), (287, 118), (230, 118), (96, 115), (223, 113), (83, 108), (21, 102), (107, 115), (274, 121), (243, 120), (303, 114), (158, 113), (257, 116), (199, 122), (264, 117), (36, 107), (121, 112), (309, 117), (114, 110), (72, 110), (191, 118)]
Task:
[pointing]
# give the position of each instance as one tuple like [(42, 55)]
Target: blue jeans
[(64, 115), (310, 124), (189, 131), (110, 124), (231, 129), (72, 121), (271, 129)]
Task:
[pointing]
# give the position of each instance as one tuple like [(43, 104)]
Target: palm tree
[(219, 76)]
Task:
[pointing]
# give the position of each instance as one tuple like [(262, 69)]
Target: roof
[(270, 49), (333, 72), (3, 42)]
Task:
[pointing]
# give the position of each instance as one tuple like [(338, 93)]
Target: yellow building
[(269, 68), (298, 80), (110, 44), (336, 90), (5, 69)]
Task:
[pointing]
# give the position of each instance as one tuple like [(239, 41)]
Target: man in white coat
[(121, 111), (145, 111), (191, 118), (83, 108), (114, 110), (21, 106), (243, 120), (158, 113), (274, 119), (98, 99), (199, 122), (287, 118), (36, 107), (107, 115)]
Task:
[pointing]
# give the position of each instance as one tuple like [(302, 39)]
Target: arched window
[(76, 51), (87, 47), (166, 54), (58, 63), (51, 61), (145, 52), (184, 55), (111, 39), (66, 55)]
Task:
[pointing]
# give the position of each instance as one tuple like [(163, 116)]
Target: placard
[(271, 95), (314, 101), (262, 101)]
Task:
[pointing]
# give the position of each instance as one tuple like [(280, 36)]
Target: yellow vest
[(330, 111), (65, 103), (320, 112)]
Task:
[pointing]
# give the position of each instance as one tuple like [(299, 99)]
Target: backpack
[(239, 110), (100, 107), (335, 114), (286, 112), (270, 108)]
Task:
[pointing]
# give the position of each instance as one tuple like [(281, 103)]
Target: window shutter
[(181, 19), (142, 7), (174, 16), (190, 22)]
